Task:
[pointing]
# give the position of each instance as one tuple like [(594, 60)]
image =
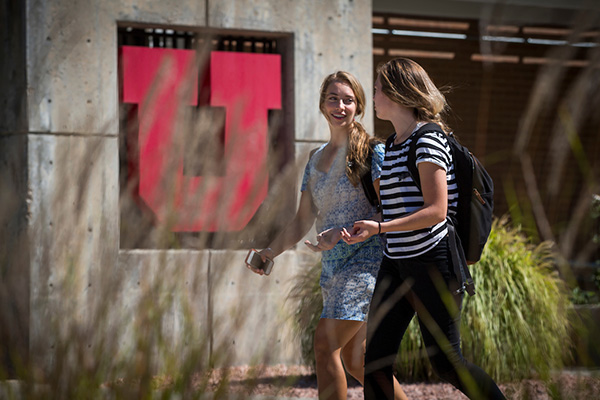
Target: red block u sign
[(246, 85)]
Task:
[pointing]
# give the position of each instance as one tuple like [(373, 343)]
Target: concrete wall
[(328, 36), (60, 157)]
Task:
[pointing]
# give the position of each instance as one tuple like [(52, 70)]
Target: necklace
[(400, 138)]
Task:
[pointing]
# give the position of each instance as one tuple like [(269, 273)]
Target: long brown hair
[(359, 140), (408, 84)]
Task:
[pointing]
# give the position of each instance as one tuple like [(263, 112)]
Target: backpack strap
[(367, 182), (411, 161), (459, 261)]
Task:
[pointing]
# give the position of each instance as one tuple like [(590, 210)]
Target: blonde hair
[(359, 140), (408, 84)]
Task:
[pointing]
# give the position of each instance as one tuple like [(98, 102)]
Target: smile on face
[(340, 104)]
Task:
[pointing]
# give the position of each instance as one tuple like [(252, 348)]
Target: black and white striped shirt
[(401, 196)]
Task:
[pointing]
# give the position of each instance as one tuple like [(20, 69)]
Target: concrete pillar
[(59, 159)]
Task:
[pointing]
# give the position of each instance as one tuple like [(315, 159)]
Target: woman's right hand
[(267, 253), (264, 254), (326, 240)]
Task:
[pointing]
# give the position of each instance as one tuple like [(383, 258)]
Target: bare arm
[(300, 225), (435, 207)]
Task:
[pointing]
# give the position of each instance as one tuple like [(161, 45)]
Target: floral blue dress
[(349, 271)]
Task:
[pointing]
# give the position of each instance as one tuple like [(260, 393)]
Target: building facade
[(78, 227)]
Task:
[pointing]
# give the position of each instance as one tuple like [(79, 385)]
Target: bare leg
[(337, 340), (353, 356), (330, 336)]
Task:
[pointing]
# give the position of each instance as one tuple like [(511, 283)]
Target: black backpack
[(472, 222)]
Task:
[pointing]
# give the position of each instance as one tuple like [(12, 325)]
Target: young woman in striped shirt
[(416, 273)]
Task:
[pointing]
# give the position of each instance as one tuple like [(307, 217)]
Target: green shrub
[(515, 326), (517, 323)]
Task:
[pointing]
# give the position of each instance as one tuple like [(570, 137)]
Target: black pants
[(423, 285)]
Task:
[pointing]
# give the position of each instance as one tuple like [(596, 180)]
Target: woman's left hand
[(360, 231), (326, 240)]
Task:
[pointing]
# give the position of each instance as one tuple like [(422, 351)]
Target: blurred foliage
[(515, 327), (595, 215), (121, 349), (580, 296), (306, 293)]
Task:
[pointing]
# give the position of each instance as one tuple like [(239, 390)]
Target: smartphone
[(253, 259)]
